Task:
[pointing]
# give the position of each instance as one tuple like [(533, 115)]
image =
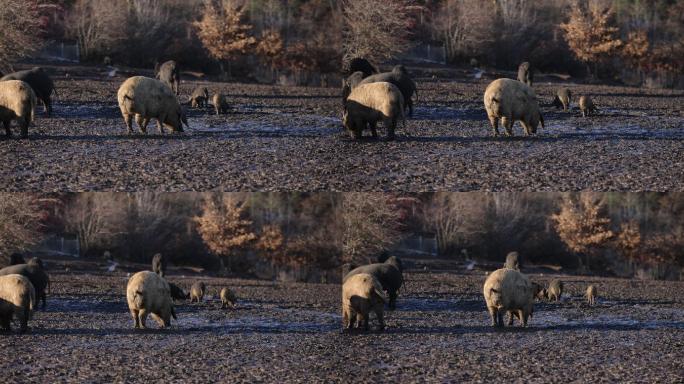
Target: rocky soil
[(291, 332), (290, 138)]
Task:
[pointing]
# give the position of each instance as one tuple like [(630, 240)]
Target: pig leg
[(158, 319), (5, 320), (142, 317), (508, 125), (42, 296), (374, 129), (141, 123), (136, 319), (392, 124), (510, 318), (494, 121), (23, 316), (392, 300), (24, 124), (160, 124), (493, 314), (128, 119), (379, 315), (524, 316), (345, 318)]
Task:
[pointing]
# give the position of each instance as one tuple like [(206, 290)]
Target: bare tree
[(20, 26), (375, 30), (20, 221), (467, 27), (457, 219), (369, 225), (98, 26), (97, 218)]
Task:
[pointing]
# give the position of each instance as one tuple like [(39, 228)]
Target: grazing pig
[(525, 73), (17, 298), (512, 261), (350, 83), (148, 293), (17, 102), (511, 100), (586, 105), (591, 294), (362, 65), (401, 79), (145, 99), (361, 294), (563, 99), (220, 103), (159, 264), (169, 74), (368, 104), (177, 293), (228, 298), (555, 290), (16, 258), (197, 292), (389, 274), (36, 275), (39, 81), (199, 97), (508, 290)]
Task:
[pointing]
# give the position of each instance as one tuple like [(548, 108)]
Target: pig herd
[(366, 290), (368, 97)]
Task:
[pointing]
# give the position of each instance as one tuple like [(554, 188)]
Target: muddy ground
[(287, 138), (290, 332)]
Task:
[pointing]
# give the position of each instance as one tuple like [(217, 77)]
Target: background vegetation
[(609, 233), (638, 41)]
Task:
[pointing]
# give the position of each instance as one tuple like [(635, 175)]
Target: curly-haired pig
[(36, 275), (591, 294), (149, 294), (508, 290), (361, 295), (145, 99), (389, 274), (159, 264), (369, 104), (511, 100), (228, 298), (197, 292), (17, 102), (17, 299), (39, 81)]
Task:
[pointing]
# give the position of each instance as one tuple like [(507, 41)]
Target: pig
[(361, 294), (169, 74), (17, 298), (591, 294), (146, 99), (555, 290), (159, 264), (587, 106), (39, 81), (399, 76), (368, 104), (350, 83), (220, 103), (36, 275), (563, 98), (525, 73), (508, 290), (536, 294), (177, 293), (362, 65), (197, 292), (228, 298), (512, 261), (148, 293), (511, 100), (17, 102), (389, 274), (199, 97)]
